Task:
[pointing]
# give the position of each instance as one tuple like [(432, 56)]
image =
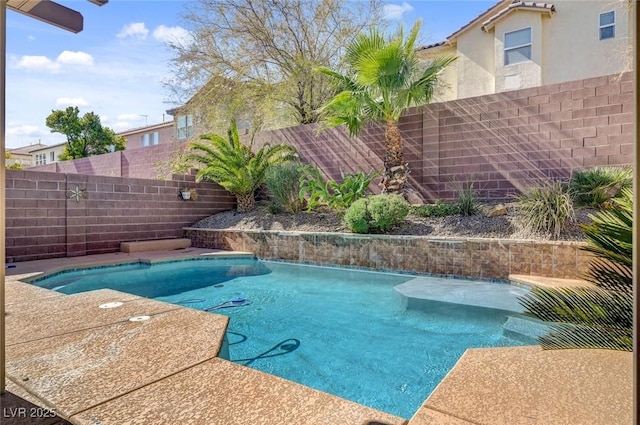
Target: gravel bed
[(326, 220)]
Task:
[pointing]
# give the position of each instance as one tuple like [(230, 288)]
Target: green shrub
[(337, 195), (467, 204), (597, 186), (357, 217), (353, 187), (377, 213), (283, 182), (437, 209), (546, 209)]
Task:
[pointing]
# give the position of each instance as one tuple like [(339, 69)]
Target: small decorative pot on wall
[(187, 194)]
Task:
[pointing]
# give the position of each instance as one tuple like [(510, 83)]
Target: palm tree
[(234, 166), (383, 78), (600, 316)]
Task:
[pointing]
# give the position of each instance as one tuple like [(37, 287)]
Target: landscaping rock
[(496, 211)]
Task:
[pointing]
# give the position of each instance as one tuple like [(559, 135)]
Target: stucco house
[(47, 154), (36, 154), (22, 155), (150, 135), (519, 44)]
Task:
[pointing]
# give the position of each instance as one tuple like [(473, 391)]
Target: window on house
[(517, 46), (184, 126), (607, 25), (52, 157), (41, 158), (150, 139)]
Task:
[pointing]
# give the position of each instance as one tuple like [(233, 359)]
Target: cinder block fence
[(62, 215)]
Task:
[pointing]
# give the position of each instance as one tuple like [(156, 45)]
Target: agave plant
[(234, 166), (600, 316)]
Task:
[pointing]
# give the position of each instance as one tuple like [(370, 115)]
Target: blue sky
[(115, 67)]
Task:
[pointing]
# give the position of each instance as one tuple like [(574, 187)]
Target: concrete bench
[(155, 245)]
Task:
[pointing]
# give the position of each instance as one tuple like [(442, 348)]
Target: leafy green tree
[(234, 165), (383, 78), (600, 316), (85, 135)]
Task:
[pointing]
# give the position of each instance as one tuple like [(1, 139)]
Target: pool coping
[(495, 398)]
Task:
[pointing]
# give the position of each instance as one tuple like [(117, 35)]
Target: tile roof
[(518, 5), (501, 8), (464, 27), (433, 45)]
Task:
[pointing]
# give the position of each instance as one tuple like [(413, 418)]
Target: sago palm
[(234, 166), (384, 77), (600, 316)]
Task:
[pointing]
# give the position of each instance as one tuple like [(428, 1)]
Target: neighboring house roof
[(518, 5), (490, 16), (26, 150), (146, 128), (46, 148), (432, 46)]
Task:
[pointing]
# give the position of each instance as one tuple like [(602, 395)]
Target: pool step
[(524, 326), (459, 291), (155, 245)]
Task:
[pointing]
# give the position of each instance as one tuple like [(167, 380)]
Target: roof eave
[(489, 24)]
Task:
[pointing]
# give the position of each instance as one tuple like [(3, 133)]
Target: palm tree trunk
[(394, 178), (246, 202)]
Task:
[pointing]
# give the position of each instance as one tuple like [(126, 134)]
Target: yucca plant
[(234, 166), (545, 208), (596, 186), (600, 316), (384, 77)]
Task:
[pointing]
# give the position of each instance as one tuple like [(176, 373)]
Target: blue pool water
[(343, 331)]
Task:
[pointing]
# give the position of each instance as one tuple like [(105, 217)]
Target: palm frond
[(566, 336), (601, 316), (383, 78), (232, 164)]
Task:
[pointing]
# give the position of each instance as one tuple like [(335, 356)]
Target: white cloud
[(38, 63), (396, 11), (71, 101), (121, 126), (135, 30), (44, 64), (75, 58), (175, 35), (31, 38), (24, 130), (129, 117)]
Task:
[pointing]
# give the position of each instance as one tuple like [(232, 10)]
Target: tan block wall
[(43, 222), (501, 142), (474, 258)]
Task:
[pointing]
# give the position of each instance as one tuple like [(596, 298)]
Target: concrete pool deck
[(94, 366)]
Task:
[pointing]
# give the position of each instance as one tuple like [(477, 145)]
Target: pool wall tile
[(467, 257)]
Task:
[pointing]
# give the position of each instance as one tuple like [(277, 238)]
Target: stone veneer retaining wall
[(43, 222), (474, 258)]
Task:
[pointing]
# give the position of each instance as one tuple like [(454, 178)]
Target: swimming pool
[(343, 331)]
